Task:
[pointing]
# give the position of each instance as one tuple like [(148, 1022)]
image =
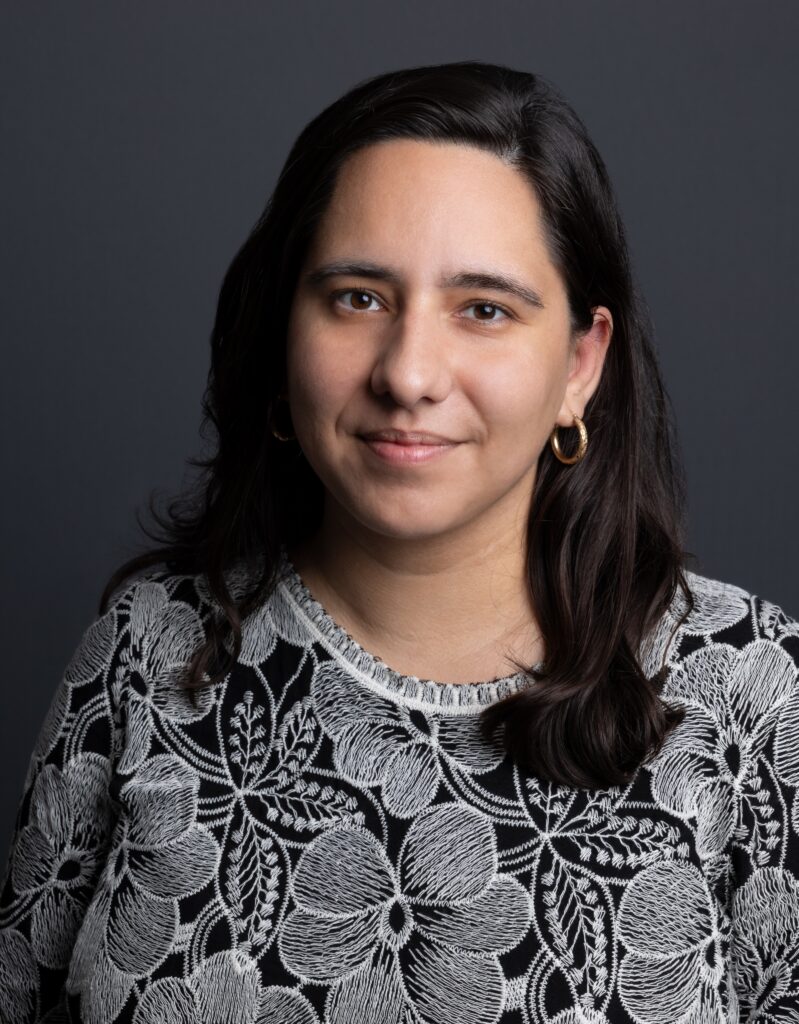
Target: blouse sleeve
[(63, 827), (765, 880)]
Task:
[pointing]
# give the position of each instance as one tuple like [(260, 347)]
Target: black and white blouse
[(322, 839)]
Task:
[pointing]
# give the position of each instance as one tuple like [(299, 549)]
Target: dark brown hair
[(604, 536)]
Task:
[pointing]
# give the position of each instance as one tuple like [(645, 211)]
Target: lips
[(407, 437), (407, 453)]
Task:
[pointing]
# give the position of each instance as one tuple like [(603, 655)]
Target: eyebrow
[(462, 279)]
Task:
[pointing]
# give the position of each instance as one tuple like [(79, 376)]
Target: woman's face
[(416, 344)]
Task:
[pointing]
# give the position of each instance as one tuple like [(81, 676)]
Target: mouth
[(405, 452), (407, 437)]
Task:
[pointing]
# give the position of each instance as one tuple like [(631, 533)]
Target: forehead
[(447, 200)]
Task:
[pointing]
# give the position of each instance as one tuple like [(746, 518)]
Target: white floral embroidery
[(318, 839), (132, 924), (774, 623), (57, 854), (163, 635), (285, 1006), (766, 940), (717, 605), (667, 923), (378, 743), (223, 988), (786, 745), (351, 901), (705, 769), (19, 977)]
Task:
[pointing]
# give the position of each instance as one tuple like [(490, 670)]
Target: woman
[(416, 713)]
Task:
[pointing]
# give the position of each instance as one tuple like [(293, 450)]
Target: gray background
[(140, 143)]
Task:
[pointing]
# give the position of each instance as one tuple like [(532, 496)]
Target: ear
[(586, 360)]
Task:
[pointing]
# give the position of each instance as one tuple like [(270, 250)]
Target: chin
[(407, 522)]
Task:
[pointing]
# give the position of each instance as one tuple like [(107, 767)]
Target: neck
[(451, 609)]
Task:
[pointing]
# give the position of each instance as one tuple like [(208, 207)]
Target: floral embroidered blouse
[(321, 839)]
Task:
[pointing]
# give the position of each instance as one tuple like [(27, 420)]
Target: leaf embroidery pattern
[(307, 806), (766, 832), (247, 737), (627, 841), (295, 740), (577, 920), (251, 884), (549, 799)]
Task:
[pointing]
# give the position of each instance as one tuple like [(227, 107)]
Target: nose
[(412, 360)]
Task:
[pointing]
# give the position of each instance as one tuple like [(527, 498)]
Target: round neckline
[(375, 673)]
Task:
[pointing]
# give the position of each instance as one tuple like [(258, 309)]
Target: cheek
[(520, 404), (321, 380), (310, 365)]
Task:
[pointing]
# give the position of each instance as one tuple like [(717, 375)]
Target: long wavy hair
[(604, 536)]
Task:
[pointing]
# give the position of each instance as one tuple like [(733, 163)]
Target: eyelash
[(476, 302)]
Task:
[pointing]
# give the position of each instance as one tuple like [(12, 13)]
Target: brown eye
[(492, 308), (358, 300)]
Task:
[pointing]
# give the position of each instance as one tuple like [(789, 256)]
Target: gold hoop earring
[(581, 447), (275, 432)]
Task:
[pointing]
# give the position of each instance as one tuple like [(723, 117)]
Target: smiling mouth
[(414, 437), (403, 453)]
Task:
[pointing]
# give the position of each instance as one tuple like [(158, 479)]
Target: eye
[(483, 305), (360, 294)]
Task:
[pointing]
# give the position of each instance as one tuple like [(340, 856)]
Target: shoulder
[(719, 611), (154, 603), (150, 623), (724, 611), (733, 666), (159, 618), (159, 601), (735, 659), (83, 713), (169, 613)]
